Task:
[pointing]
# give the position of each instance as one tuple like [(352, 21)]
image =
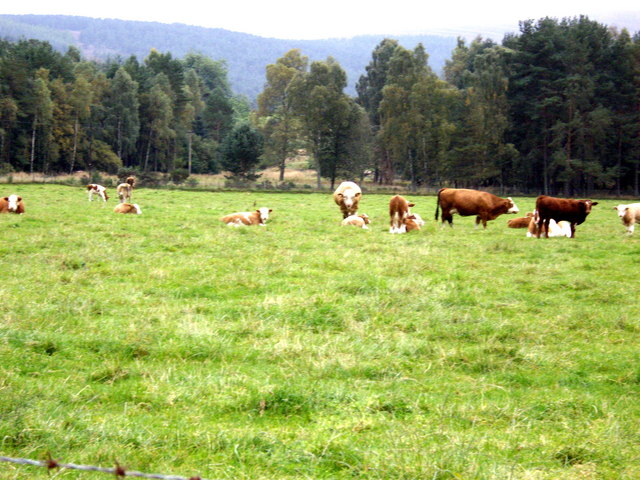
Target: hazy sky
[(334, 18)]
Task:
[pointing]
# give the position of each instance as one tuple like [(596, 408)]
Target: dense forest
[(554, 108), (245, 55)]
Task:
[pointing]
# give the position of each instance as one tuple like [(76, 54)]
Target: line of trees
[(553, 109), (59, 113)]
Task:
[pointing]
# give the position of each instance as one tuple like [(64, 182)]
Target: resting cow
[(127, 208), (361, 220), (12, 204), (398, 213), (412, 222), (347, 196), (259, 217), (465, 202), (573, 211), (559, 229), (521, 222), (629, 214)]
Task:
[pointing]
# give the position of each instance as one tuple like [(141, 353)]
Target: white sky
[(337, 18)]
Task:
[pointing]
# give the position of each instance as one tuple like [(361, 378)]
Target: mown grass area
[(174, 344)]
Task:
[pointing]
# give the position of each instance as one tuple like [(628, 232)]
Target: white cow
[(629, 214)]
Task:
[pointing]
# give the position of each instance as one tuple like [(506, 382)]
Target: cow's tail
[(438, 203)]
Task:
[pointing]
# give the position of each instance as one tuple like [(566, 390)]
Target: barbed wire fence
[(119, 471)]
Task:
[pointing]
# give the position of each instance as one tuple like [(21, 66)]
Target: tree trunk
[(189, 155), (75, 146), (33, 146)]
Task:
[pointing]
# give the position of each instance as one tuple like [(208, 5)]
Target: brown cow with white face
[(11, 204), (347, 196), (465, 202), (398, 213), (573, 211)]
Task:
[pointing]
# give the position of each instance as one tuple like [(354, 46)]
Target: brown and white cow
[(347, 196), (573, 211), (412, 222), (629, 214), (465, 202), (361, 220), (556, 229), (131, 181), (259, 217), (12, 204), (521, 222), (398, 213), (128, 208), (124, 192), (95, 189)]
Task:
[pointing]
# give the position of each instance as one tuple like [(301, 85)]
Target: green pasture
[(173, 344)]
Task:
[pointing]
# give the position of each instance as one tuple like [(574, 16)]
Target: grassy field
[(173, 344)]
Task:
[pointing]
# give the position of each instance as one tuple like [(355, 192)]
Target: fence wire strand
[(119, 471)]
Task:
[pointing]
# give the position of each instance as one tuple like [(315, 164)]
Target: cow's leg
[(573, 230), (630, 228)]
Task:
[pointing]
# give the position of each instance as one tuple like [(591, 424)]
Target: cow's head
[(622, 210), (411, 223), (264, 214), (13, 201), (137, 208), (512, 206), (349, 197), (365, 218), (587, 205)]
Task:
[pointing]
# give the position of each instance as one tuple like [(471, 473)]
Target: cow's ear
[(594, 203), (340, 195), (270, 210), (410, 205), (358, 194), (19, 199), (6, 199)]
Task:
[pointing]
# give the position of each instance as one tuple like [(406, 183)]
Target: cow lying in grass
[(128, 208), (361, 220), (259, 217), (12, 204)]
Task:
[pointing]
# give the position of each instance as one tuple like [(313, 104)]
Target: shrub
[(179, 175)]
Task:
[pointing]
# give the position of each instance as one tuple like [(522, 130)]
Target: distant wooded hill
[(246, 55)]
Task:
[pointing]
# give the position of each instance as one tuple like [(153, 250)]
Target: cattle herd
[(552, 217)]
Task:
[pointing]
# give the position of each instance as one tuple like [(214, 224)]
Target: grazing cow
[(486, 206), (361, 220), (573, 211), (629, 214), (398, 213), (12, 204), (259, 217), (95, 189), (128, 208), (124, 192), (347, 196), (521, 222)]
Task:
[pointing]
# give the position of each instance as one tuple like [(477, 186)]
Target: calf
[(128, 208), (12, 204), (398, 213), (521, 222), (573, 211), (361, 220), (95, 189), (259, 217), (629, 214), (465, 202), (131, 181), (347, 196), (124, 192), (412, 222)]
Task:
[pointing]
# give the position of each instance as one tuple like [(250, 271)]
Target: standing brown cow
[(573, 211), (347, 196), (398, 213), (465, 202)]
